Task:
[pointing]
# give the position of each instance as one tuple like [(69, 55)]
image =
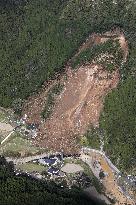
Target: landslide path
[(78, 105)]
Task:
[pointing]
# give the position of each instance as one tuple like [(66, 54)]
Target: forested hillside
[(24, 190), (38, 37), (119, 121)]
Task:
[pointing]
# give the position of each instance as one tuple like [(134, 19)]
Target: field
[(30, 167), (18, 146)]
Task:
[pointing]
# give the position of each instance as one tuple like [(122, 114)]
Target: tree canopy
[(24, 190)]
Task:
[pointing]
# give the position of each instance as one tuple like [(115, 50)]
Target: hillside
[(80, 100), (40, 40), (25, 190), (39, 37)]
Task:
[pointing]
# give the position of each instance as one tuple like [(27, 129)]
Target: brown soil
[(78, 106)]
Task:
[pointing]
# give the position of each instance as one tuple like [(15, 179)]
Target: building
[(48, 161), (53, 170), (32, 126)]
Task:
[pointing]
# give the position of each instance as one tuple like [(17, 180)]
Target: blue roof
[(47, 161), (53, 170), (32, 126)]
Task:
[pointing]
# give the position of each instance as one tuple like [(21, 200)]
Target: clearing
[(71, 168), (5, 127), (18, 146)]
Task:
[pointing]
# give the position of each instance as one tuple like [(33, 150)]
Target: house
[(53, 170), (48, 161), (32, 126)]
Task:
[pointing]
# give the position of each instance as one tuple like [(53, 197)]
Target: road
[(28, 159), (112, 189), (90, 156), (7, 137)]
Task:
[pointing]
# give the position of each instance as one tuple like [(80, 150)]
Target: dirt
[(111, 185), (78, 106), (72, 168), (5, 127)]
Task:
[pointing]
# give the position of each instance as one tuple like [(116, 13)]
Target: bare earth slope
[(79, 104)]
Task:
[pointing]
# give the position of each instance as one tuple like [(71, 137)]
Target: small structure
[(22, 120), (48, 161), (32, 126), (53, 171)]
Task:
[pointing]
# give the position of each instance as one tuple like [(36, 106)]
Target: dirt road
[(30, 158)]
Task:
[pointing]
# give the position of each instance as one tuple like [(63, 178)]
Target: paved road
[(115, 169), (28, 159), (89, 156), (84, 150)]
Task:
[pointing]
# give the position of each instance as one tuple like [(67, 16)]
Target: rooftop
[(48, 161), (53, 170)]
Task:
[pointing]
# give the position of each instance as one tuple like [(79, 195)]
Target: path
[(7, 137)]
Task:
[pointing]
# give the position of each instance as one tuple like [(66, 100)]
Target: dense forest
[(24, 190), (119, 121), (37, 38)]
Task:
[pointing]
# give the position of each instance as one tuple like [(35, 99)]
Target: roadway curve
[(112, 188)]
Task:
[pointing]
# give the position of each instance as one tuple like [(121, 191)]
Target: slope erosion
[(81, 100)]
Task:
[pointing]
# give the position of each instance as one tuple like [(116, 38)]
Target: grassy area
[(16, 145), (30, 167), (3, 116)]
